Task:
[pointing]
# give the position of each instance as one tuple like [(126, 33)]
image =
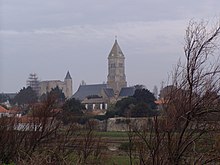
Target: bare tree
[(22, 136), (184, 133), (41, 138), (89, 146), (42, 125)]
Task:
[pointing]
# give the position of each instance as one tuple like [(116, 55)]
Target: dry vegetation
[(186, 131)]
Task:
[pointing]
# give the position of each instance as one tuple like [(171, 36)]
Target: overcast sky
[(50, 37)]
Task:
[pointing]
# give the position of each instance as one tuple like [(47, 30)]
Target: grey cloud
[(25, 14)]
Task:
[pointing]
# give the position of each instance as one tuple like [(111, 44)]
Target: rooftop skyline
[(52, 37)]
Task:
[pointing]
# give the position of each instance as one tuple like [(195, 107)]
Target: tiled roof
[(161, 101), (127, 91), (88, 90), (3, 110)]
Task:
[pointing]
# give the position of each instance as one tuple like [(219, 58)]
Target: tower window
[(120, 64)]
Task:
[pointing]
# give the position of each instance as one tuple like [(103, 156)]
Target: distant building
[(99, 96), (9, 113), (3, 112), (65, 86), (7, 97)]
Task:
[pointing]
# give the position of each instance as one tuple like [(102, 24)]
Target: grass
[(109, 160)]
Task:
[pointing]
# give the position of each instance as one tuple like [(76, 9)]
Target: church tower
[(116, 69), (68, 84)]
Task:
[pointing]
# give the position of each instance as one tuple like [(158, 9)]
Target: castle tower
[(116, 69), (68, 83)]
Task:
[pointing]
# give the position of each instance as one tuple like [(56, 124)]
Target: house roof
[(3, 110), (116, 51), (161, 101), (127, 91), (88, 90)]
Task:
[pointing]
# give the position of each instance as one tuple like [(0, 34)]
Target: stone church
[(99, 96)]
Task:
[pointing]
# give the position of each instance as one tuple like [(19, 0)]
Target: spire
[(68, 76), (116, 50)]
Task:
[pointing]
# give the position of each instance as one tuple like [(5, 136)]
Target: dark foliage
[(4, 98), (142, 110), (144, 95), (58, 93), (55, 93), (124, 106), (25, 96), (73, 105), (72, 111), (141, 104)]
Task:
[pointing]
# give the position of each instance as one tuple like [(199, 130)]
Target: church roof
[(127, 91), (109, 92), (88, 90), (68, 75), (116, 51)]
